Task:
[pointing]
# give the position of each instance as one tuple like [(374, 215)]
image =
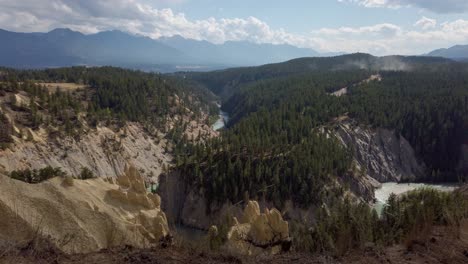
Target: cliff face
[(186, 206), (82, 216), (380, 153), (463, 165), (103, 151)]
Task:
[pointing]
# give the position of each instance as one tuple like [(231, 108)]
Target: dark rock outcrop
[(380, 153), (463, 164)]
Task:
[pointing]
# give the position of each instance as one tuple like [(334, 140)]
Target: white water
[(222, 121), (382, 194)]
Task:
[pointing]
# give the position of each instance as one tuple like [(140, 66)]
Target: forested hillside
[(95, 121), (430, 109), (226, 82), (274, 141), (274, 148), (102, 94), (280, 146), (423, 99)]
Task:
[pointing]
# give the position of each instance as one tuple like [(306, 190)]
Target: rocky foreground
[(441, 245)]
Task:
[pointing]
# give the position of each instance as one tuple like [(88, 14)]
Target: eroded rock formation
[(82, 216), (258, 232)]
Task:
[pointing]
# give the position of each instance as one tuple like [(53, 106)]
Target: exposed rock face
[(82, 216), (361, 185), (463, 165), (258, 232), (173, 193), (186, 206), (104, 151), (380, 153)]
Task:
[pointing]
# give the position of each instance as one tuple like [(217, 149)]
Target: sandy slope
[(81, 216)]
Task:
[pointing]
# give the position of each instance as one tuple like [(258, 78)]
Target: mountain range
[(458, 52), (64, 47)]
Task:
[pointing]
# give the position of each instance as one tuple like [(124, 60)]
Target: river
[(222, 121), (382, 194), (189, 234)]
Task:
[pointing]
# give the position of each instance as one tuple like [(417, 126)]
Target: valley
[(237, 132), (284, 166), (222, 121)]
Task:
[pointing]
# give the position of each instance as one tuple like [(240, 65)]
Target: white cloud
[(137, 17), (376, 3), (383, 30), (133, 16), (437, 6), (426, 23), (396, 40)]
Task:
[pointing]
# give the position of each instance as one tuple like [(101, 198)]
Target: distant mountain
[(239, 53), (457, 52), (64, 47)]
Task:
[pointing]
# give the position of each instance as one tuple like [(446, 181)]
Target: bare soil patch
[(52, 87)]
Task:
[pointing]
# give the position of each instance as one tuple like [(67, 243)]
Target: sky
[(379, 27)]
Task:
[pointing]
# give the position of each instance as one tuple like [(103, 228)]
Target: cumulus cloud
[(134, 16), (392, 39), (141, 18), (426, 23), (437, 6)]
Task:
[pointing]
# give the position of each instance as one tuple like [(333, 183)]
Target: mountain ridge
[(65, 47), (458, 52)]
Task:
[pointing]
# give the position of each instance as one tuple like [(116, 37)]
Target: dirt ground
[(440, 245), (52, 87)]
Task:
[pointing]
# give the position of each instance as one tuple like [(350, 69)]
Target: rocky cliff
[(380, 153), (103, 150), (186, 206), (82, 216)]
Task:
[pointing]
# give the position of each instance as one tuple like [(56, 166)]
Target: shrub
[(37, 176), (419, 210), (86, 174), (343, 226), (5, 132)]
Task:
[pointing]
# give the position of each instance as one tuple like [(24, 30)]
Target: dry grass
[(52, 87)]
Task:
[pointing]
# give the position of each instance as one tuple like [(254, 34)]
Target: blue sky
[(303, 15), (380, 27)]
